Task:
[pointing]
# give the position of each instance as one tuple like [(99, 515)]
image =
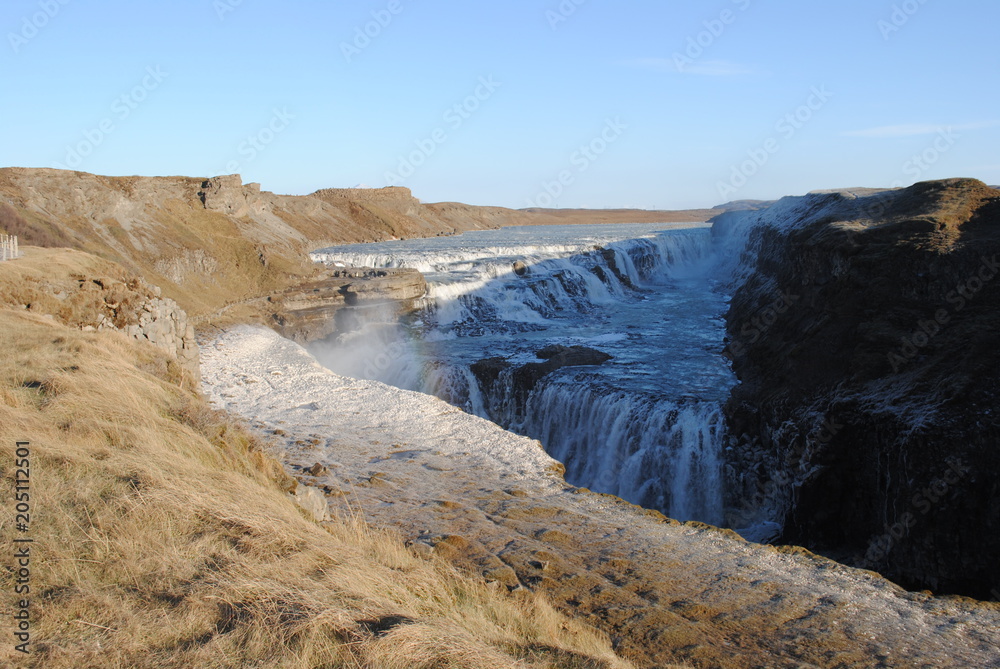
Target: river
[(645, 425)]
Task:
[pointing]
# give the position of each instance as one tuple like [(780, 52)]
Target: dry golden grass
[(60, 282), (164, 538), (237, 269)]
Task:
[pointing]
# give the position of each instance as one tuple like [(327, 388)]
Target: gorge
[(610, 350), (765, 372), (629, 394)]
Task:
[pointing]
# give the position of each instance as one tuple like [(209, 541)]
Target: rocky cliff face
[(866, 343), (334, 303), (157, 320)]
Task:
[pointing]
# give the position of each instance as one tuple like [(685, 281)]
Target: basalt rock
[(866, 343), (565, 356), (336, 302), (522, 379), (611, 258)]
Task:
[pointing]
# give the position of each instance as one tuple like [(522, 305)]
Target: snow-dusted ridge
[(736, 232)]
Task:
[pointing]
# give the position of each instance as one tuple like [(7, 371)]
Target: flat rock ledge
[(336, 302)]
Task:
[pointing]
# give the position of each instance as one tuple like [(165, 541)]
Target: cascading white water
[(657, 453), (645, 426)]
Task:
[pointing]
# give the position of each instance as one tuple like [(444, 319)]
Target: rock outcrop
[(157, 320), (866, 343), (92, 294), (334, 303), (506, 386), (228, 195)]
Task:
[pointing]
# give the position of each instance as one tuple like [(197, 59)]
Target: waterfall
[(657, 453), (644, 440)]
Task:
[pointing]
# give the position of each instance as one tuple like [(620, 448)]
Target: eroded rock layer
[(337, 301)]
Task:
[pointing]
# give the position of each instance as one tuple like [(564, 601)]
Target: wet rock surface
[(335, 302), (866, 342), (522, 379)]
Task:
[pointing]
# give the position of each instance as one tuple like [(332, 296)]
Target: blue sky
[(584, 103)]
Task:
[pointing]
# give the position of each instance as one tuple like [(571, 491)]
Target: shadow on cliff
[(866, 417)]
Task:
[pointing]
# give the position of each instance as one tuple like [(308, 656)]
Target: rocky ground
[(496, 504), (336, 302), (82, 291)]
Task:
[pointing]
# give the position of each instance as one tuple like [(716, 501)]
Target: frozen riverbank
[(495, 503)]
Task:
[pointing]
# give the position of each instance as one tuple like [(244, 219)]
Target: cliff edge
[(864, 335)]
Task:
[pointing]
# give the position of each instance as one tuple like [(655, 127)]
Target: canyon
[(860, 330)]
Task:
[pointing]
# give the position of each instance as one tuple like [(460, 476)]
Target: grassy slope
[(233, 271), (164, 537), (59, 282)]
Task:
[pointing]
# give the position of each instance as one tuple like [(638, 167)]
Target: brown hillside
[(147, 551), (214, 242), (211, 242)]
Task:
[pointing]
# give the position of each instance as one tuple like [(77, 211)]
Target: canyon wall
[(213, 243), (864, 332)]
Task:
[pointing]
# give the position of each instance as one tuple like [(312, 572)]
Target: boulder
[(313, 501)]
